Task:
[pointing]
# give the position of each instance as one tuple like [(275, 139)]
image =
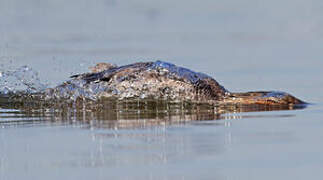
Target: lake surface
[(245, 46)]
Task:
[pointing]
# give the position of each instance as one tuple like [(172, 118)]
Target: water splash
[(22, 79)]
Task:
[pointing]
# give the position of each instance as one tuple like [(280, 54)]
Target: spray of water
[(22, 79)]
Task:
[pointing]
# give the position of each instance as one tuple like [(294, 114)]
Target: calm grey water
[(247, 45)]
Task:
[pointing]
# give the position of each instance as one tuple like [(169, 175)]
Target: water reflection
[(113, 114), (107, 138)]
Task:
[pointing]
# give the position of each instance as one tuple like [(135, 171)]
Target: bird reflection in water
[(114, 114)]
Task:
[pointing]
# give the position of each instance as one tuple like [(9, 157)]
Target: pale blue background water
[(245, 45)]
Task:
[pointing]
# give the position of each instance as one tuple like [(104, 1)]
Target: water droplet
[(142, 96)]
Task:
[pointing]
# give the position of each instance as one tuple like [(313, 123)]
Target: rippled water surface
[(245, 46)]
